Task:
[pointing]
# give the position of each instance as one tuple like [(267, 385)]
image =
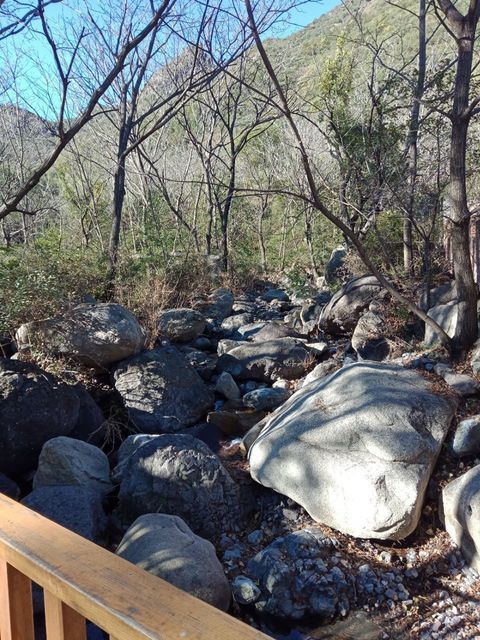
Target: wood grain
[(61, 621), (122, 599), (16, 610)]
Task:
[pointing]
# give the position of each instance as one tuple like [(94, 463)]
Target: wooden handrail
[(83, 581)]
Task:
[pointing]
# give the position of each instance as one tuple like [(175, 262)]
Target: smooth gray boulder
[(461, 383), (266, 361), (66, 461), (96, 335), (274, 331), (219, 304), (356, 449), (181, 325), (91, 425), (75, 508), (460, 510), (128, 447), (275, 294), (342, 313), (321, 371), (166, 547), (466, 441), (227, 387), (162, 391), (34, 407), (179, 475), (445, 315)]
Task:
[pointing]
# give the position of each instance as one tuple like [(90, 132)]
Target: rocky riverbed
[(300, 458)]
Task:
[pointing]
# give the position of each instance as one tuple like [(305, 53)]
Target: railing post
[(16, 610), (61, 621)]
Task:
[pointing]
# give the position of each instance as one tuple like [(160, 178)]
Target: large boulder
[(166, 547), (296, 578), (356, 449), (34, 407), (97, 335), (274, 331), (181, 325), (266, 361), (341, 314), (75, 508), (162, 392), (460, 509), (65, 461), (368, 339), (179, 475), (219, 304), (91, 425), (445, 315)]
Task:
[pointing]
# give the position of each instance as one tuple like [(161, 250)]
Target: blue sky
[(309, 11)]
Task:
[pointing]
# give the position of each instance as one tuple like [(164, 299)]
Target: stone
[(321, 371), (34, 407), (233, 323), (466, 441), (275, 294), (368, 339), (235, 423), (179, 475), (293, 577), (475, 358), (460, 510), (227, 387), (74, 508), (318, 349), (445, 315), (9, 487), (442, 294), (245, 591), (226, 345), (162, 392), (461, 383), (334, 266), (266, 399), (91, 425), (248, 331), (181, 325), (266, 361), (96, 335), (219, 304), (203, 363), (127, 449), (341, 314), (166, 547), (66, 461), (274, 331), (202, 343), (356, 449)]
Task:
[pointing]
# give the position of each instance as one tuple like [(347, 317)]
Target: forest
[(239, 275)]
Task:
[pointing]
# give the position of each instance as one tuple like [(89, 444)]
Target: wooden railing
[(82, 581)]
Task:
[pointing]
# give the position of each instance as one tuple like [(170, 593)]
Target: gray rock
[(368, 339), (356, 449), (162, 392), (335, 264), (321, 371), (466, 441), (97, 335), (179, 475), (65, 461), (248, 331), (227, 387), (275, 294), (461, 383), (202, 343), (219, 304), (318, 349), (460, 510), (293, 577), (475, 358), (91, 425), (266, 399), (226, 345), (245, 591), (128, 447), (233, 323), (274, 331), (75, 508), (203, 363), (341, 314), (34, 407), (9, 487), (266, 361), (443, 294), (166, 547), (445, 315), (181, 325)]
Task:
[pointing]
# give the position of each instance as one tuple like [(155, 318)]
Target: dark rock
[(181, 325)]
